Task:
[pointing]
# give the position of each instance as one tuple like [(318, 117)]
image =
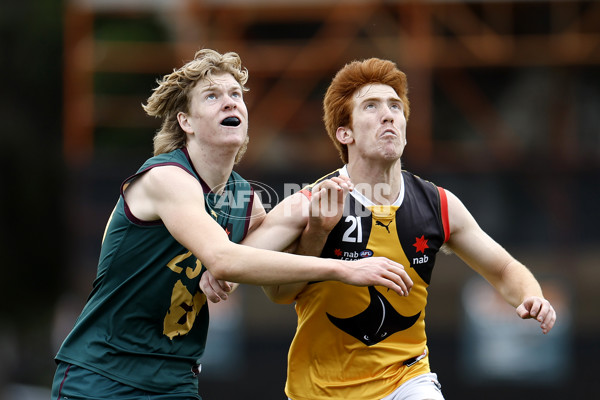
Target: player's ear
[(184, 123), (344, 135)]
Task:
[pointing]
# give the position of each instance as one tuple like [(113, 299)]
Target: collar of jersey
[(365, 201)]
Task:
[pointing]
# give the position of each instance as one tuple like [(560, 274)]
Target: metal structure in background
[(293, 48)]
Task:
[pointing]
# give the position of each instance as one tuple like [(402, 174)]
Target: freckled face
[(378, 123)]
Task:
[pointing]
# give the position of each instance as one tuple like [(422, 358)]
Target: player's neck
[(380, 183), (213, 166)]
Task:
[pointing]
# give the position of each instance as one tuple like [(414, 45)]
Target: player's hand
[(215, 290), (379, 271), (539, 309), (327, 203)]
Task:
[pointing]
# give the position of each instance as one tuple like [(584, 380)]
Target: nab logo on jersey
[(420, 260), (421, 245)]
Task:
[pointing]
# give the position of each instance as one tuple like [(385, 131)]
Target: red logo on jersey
[(421, 244), (338, 252)]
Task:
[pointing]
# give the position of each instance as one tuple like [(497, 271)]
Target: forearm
[(276, 238), (244, 264), (516, 283), (281, 227), (310, 243), (513, 281)]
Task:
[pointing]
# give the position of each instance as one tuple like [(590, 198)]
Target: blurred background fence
[(505, 113)]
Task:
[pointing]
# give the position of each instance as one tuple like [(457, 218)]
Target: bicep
[(474, 246), (178, 200), (258, 214)]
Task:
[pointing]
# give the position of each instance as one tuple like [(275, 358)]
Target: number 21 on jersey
[(353, 233)]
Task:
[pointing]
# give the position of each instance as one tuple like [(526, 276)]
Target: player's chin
[(234, 138)]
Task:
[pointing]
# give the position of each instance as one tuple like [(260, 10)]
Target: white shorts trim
[(422, 387)]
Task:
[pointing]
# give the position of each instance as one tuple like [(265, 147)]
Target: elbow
[(283, 300), (276, 296), (220, 263), (220, 273)]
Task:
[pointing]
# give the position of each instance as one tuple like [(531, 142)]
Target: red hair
[(338, 102)]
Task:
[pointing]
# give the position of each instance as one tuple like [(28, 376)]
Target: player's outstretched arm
[(512, 280), (217, 290), (283, 225), (280, 230), (172, 195), (325, 209)]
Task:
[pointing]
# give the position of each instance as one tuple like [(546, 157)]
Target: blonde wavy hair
[(338, 101), (173, 95)]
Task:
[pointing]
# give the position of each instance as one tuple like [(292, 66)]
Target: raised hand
[(327, 203)]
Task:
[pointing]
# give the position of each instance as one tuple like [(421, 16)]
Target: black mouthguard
[(231, 121)]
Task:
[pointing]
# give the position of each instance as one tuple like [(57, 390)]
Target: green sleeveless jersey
[(146, 320)]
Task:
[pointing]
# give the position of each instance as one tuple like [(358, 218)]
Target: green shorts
[(72, 382)]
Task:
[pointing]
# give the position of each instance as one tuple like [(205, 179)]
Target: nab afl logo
[(366, 253)]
